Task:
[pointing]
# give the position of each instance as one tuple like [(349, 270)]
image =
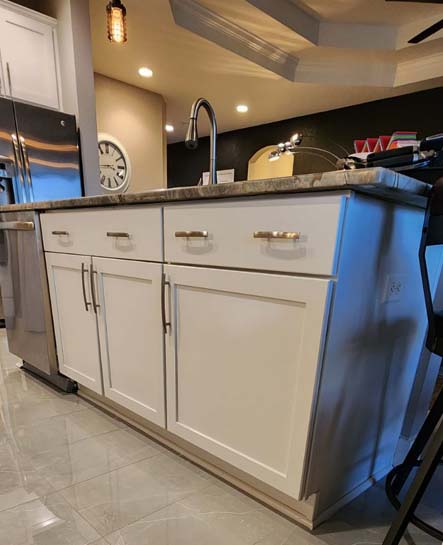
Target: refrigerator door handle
[(18, 160), (26, 161)]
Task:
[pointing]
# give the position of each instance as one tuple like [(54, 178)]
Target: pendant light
[(116, 18)]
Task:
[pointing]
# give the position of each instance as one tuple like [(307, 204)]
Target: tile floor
[(71, 475)]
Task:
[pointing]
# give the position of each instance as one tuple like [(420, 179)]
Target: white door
[(131, 335), (242, 362), (74, 318), (28, 50)]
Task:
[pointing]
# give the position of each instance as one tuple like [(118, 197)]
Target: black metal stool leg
[(419, 444), (431, 460)]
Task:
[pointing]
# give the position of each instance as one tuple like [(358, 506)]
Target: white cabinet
[(272, 234), (242, 363), (131, 335), (74, 319), (28, 49), (126, 233), (108, 322)]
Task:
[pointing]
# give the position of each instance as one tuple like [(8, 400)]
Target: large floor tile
[(54, 432), (46, 521), (216, 515), (28, 412), (21, 387), (121, 497), (19, 481), (73, 463)]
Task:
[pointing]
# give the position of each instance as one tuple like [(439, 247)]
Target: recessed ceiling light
[(169, 128), (242, 108), (145, 72)]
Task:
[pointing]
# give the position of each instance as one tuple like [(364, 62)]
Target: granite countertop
[(379, 182)]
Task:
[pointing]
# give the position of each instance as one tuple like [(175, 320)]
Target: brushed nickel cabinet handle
[(288, 235), (191, 234), (165, 323), (60, 233), (118, 234), (93, 291), (86, 302), (17, 226)]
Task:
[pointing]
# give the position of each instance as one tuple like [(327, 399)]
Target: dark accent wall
[(332, 130)]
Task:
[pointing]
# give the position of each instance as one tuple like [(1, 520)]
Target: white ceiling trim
[(291, 16), (211, 26), (326, 34), (342, 35), (370, 71), (353, 36), (373, 74), (422, 69)]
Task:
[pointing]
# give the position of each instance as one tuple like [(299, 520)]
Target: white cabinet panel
[(28, 47), (96, 232), (242, 363), (131, 335), (231, 228), (74, 319)]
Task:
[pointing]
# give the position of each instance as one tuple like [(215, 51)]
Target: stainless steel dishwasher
[(25, 296)]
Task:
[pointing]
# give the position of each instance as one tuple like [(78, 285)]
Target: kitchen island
[(270, 331)]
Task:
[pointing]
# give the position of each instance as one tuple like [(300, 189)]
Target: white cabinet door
[(131, 335), (74, 318), (28, 49), (242, 361)]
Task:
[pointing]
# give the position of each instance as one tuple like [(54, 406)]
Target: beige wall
[(135, 117)]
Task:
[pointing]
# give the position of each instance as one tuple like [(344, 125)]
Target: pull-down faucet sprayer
[(191, 140)]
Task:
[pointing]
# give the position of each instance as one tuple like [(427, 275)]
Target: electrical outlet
[(394, 288)]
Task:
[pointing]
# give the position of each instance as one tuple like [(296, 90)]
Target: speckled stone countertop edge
[(378, 182)]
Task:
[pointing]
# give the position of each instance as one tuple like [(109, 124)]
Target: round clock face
[(114, 165)]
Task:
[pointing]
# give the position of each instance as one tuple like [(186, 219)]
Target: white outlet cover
[(395, 287)]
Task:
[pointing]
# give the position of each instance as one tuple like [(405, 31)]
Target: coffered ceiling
[(283, 58)]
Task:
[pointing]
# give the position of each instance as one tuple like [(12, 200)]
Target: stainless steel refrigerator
[(39, 160), (43, 147)]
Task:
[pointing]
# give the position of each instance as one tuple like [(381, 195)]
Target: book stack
[(399, 139)]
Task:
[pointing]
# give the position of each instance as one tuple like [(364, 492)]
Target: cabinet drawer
[(129, 233), (243, 234)]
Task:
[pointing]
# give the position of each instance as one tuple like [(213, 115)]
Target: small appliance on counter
[(39, 160)]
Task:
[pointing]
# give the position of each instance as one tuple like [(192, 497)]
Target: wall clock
[(115, 167)]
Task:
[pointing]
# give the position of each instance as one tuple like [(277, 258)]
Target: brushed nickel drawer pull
[(191, 234), (61, 233), (17, 226), (288, 235), (118, 234)]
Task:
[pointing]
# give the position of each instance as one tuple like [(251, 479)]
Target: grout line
[(107, 472), (166, 505)]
